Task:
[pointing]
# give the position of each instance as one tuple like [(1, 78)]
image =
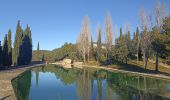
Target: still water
[(56, 83)]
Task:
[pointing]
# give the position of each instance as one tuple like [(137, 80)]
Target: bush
[(102, 59)]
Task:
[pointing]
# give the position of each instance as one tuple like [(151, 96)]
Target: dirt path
[(6, 89)]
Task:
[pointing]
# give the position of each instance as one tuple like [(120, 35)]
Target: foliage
[(83, 39), (21, 54), (67, 50), (5, 51), (9, 48), (121, 49), (17, 43), (99, 45), (1, 55)]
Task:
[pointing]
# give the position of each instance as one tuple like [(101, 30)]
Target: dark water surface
[(56, 83)]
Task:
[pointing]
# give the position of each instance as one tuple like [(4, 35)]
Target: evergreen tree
[(30, 45), (166, 29), (121, 48), (129, 44), (38, 47), (5, 51), (92, 44), (26, 47), (92, 48), (38, 51), (9, 48), (1, 58), (17, 44), (99, 45), (136, 45)]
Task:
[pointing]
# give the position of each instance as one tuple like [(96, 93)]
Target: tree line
[(150, 41), (21, 53)]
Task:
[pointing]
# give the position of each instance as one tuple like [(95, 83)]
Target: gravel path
[(6, 89)]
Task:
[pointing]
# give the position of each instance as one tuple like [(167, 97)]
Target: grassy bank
[(132, 66)]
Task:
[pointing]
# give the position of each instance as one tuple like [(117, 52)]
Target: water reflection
[(88, 84), (84, 85), (22, 86)]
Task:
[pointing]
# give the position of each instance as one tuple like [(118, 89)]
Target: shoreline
[(152, 75), (158, 76), (6, 76)]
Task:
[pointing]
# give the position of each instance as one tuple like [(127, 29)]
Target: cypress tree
[(38, 48), (92, 44), (23, 50), (99, 45), (9, 48), (30, 45), (1, 58), (5, 51), (120, 33), (17, 44), (26, 47)]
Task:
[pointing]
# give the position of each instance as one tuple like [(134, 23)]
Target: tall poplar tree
[(108, 26)]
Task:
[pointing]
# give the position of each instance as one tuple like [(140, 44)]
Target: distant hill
[(67, 50)]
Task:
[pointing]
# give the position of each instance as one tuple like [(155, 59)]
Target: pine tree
[(5, 51), (17, 44), (1, 58), (9, 48), (166, 28)]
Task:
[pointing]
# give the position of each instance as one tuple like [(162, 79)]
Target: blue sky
[(54, 22)]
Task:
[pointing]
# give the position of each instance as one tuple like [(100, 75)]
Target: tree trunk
[(126, 60), (88, 54), (156, 63), (146, 61), (106, 53), (84, 55), (144, 58), (137, 57)]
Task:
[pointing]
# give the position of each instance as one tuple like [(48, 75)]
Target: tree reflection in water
[(92, 84), (84, 85), (22, 86)]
